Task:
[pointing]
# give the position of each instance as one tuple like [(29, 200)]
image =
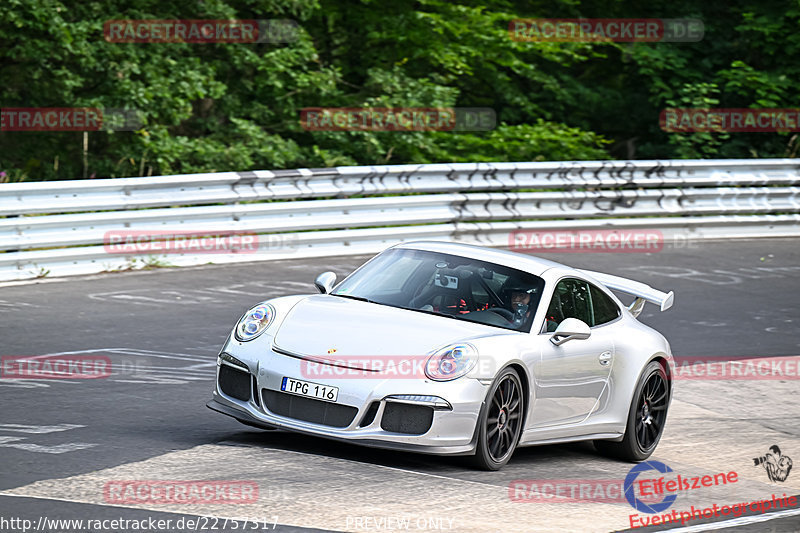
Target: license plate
[(311, 390)]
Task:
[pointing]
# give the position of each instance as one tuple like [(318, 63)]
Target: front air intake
[(256, 399), (369, 416), (308, 409), (406, 418), (234, 383)]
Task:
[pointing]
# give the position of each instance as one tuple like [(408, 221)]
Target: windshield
[(448, 285)]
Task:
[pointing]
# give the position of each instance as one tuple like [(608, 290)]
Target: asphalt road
[(161, 331)]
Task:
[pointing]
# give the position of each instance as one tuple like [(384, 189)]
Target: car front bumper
[(452, 407)]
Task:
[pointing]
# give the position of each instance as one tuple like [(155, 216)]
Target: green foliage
[(700, 144), (220, 107)]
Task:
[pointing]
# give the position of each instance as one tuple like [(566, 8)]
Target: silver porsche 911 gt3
[(454, 349)]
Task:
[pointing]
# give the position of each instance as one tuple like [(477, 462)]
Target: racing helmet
[(512, 285)]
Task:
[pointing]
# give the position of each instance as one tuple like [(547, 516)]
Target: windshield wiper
[(362, 299), (359, 298)]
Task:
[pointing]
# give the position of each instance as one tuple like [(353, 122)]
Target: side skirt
[(558, 440)]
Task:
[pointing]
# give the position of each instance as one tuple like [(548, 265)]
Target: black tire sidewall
[(482, 455), (632, 450)]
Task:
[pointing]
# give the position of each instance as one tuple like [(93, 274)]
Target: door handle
[(605, 358)]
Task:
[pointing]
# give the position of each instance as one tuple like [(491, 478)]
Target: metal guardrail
[(59, 228)]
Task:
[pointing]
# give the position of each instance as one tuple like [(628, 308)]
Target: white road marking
[(23, 428), (130, 368), (718, 276), (23, 384), (7, 307), (14, 441), (208, 295), (57, 448)]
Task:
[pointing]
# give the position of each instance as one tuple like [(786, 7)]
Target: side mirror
[(325, 281), (570, 329)]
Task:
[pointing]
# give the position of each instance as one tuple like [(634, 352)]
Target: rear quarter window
[(605, 310)]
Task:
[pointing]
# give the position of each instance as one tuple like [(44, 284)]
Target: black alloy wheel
[(646, 417), (501, 421), (652, 411)]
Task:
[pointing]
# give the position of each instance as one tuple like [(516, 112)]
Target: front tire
[(500, 423), (646, 418)]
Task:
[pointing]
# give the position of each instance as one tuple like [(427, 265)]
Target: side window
[(570, 300), (605, 310)]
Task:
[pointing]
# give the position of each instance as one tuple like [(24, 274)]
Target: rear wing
[(642, 291)]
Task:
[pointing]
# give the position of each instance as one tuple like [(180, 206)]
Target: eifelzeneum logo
[(775, 463), (669, 487), (630, 494)]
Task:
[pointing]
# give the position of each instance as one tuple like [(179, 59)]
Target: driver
[(518, 299)]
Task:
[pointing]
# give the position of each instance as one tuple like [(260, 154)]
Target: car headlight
[(254, 322), (451, 362)]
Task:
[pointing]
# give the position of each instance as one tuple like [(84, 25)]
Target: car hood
[(321, 323)]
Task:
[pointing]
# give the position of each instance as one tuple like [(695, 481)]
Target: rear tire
[(646, 418), (500, 423)]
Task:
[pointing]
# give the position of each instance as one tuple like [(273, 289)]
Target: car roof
[(527, 263)]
